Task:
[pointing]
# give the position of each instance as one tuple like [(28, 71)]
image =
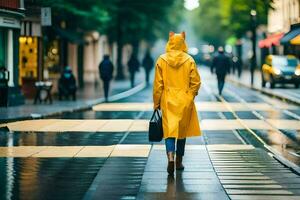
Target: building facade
[(284, 14), (11, 13), (283, 27)]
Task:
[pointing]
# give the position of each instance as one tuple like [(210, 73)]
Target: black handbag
[(155, 127)]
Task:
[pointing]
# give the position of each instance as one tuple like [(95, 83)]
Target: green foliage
[(220, 19), (134, 19), (146, 19), (79, 15), (240, 20), (208, 22)]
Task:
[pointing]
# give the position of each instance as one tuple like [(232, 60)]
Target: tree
[(221, 19), (79, 16), (240, 19), (135, 20), (207, 22)]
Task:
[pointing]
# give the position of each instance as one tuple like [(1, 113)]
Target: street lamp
[(253, 30), (191, 4)]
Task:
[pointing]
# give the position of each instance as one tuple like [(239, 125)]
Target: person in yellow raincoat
[(176, 84)]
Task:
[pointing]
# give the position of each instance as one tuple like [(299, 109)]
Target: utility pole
[(120, 70), (253, 30)]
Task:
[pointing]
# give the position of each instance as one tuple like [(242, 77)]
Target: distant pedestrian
[(133, 66), (148, 65), (221, 66), (106, 70), (237, 65), (67, 84), (175, 86)]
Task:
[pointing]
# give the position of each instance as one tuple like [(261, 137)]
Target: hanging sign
[(46, 16)]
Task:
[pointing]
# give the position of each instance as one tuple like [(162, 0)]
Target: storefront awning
[(290, 35), (272, 40), (296, 40)]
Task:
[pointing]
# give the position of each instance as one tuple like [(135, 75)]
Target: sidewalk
[(87, 97), (287, 92)]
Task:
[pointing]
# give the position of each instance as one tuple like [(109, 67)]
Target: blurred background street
[(76, 98)]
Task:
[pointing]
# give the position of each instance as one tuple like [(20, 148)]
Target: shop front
[(9, 48), (291, 42), (28, 64)]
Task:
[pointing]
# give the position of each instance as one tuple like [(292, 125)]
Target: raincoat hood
[(176, 50)]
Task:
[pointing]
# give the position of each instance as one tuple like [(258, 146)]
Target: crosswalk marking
[(131, 151), (20, 151), (263, 197), (120, 150), (116, 125), (89, 125), (285, 124), (60, 126), (201, 106), (270, 192), (267, 186), (123, 125)]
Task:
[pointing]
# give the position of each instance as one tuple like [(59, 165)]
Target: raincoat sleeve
[(158, 84), (195, 80)]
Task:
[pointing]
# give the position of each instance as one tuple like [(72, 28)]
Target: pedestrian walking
[(148, 65), (221, 66), (176, 84), (133, 66), (238, 65), (106, 70)]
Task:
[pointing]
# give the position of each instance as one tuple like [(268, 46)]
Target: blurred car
[(281, 69)]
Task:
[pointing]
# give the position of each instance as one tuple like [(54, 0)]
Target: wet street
[(104, 153)]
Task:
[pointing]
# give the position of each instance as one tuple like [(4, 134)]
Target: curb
[(112, 98), (266, 92)]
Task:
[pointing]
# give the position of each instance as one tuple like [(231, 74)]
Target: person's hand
[(157, 107)]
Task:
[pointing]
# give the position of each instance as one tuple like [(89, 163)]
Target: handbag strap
[(156, 112)]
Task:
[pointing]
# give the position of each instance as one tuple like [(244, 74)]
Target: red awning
[(271, 40)]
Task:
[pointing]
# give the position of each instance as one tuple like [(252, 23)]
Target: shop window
[(52, 67), (28, 58)]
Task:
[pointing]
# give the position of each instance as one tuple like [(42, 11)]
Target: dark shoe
[(171, 163), (170, 168), (179, 165)]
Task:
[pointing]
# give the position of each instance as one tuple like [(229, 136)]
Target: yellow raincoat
[(176, 84)]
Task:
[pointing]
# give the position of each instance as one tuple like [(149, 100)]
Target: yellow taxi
[(281, 69)]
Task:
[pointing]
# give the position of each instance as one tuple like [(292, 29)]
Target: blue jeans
[(170, 146)]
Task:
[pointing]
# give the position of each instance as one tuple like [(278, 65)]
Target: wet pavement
[(104, 153), (286, 92)]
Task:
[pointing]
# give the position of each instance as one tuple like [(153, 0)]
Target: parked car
[(281, 69)]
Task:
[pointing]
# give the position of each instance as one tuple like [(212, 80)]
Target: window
[(284, 61)]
